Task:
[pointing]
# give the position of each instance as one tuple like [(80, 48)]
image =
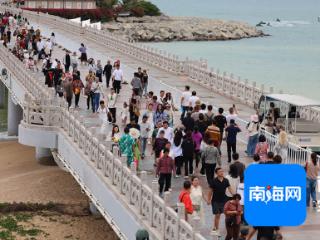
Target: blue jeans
[(143, 145), (95, 101), (311, 190), (251, 146), (184, 110), (145, 89)]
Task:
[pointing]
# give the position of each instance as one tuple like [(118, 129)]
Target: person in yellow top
[(214, 133)]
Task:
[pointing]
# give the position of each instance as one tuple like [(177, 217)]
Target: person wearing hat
[(142, 234), (253, 132)]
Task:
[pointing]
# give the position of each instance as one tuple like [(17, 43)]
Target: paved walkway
[(168, 82)]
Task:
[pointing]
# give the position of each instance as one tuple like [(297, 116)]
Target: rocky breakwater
[(164, 28)]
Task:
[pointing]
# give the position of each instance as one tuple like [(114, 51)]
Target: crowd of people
[(149, 125)]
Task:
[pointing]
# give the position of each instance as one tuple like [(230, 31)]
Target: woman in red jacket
[(184, 198)]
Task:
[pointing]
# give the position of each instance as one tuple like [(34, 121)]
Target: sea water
[(288, 60)]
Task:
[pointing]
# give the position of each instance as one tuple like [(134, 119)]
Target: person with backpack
[(188, 147), (201, 124), (221, 122), (231, 137), (209, 115)]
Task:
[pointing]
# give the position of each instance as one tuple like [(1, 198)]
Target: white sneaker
[(215, 232)]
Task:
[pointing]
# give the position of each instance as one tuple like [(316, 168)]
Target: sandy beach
[(22, 179)]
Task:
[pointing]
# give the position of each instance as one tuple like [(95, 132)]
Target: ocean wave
[(284, 23)]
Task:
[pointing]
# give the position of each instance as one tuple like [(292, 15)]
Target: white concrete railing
[(37, 89), (295, 154), (155, 212)]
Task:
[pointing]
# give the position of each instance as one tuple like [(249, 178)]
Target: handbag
[(87, 90), (77, 90), (136, 112)]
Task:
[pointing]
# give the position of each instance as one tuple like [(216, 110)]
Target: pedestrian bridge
[(122, 197), (42, 120), (125, 200)]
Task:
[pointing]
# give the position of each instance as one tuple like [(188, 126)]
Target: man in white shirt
[(162, 96), (193, 99), (185, 101), (168, 131), (117, 78), (112, 98), (40, 46), (231, 115), (103, 115), (48, 47), (54, 63), (203, 107), (145, 128)]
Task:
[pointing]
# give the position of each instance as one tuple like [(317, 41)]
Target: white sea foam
[(287, 23)]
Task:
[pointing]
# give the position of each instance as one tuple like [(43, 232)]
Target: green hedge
[(136, 7), (149, 8)]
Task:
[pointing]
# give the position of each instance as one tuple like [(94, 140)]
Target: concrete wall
[(15, 115)]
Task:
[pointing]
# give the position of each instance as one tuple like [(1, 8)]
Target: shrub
[(149, 8), (99, 14), (137, 11)]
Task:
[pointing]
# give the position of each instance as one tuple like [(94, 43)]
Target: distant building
[(60, 4)]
